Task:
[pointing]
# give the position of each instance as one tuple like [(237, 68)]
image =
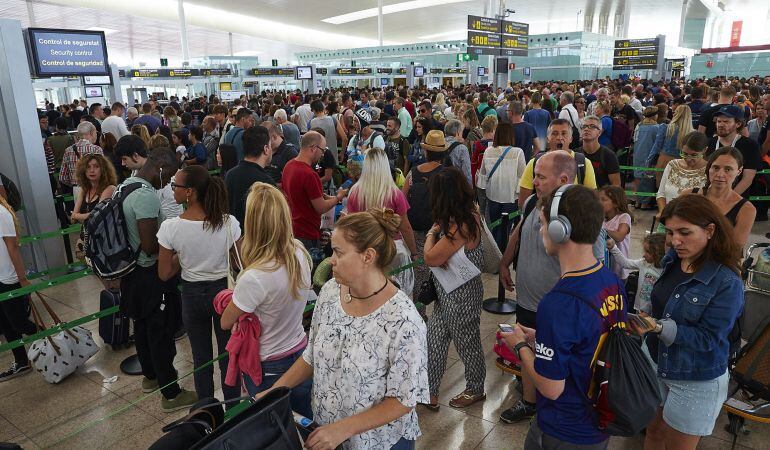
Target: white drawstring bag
[(405, 279), (57, 356)]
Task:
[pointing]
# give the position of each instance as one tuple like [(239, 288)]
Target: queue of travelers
[(437, 167)]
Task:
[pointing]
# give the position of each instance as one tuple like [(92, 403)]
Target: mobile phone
[(640, 321), (505, 328)]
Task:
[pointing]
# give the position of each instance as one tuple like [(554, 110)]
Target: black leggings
[(14, 321)]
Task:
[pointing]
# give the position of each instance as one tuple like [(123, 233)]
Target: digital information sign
[(635, 54), (487, 36), (273, 72), (61, 53)]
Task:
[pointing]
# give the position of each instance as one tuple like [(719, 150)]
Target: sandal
[(466, 399), (433, 405)]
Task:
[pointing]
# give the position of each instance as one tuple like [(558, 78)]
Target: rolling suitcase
[(113, 329)]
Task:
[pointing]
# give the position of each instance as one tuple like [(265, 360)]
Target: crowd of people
[(402, 175)]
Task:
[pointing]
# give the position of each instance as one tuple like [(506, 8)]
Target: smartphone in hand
[(505, 328), (644, 323)]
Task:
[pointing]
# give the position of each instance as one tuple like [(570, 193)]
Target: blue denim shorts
[(692, 407)]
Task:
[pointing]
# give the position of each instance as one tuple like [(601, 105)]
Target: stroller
[(750, 371)]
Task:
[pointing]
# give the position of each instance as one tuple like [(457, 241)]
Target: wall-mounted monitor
[(61, 53), (482, 71), (419, 71), (303, 73), (93, 91), (384, 81), (97, 80), (229, 96), (436, 80)]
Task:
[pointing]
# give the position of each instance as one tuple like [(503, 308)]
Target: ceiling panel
[(276, 29), (140, 39)]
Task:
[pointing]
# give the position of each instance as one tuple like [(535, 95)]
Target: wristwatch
[(518, 348)]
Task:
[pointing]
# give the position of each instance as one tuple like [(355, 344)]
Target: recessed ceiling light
[(106, 30), (388, 9)]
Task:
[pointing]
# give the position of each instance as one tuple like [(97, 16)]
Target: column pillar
[(183, 32), (24, 158)]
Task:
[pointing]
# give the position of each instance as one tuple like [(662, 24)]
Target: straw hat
[(434, 141)]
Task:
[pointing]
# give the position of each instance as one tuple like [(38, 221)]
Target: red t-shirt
[(301, 185), (410, 107)]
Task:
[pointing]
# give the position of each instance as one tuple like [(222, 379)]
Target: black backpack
[(483, 113), (628, 394), (12, 193), (580, 160), (419, 199), (105, 239), (448, 158)]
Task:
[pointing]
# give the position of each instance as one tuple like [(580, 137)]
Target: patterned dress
[(358, 361), (456, 318)]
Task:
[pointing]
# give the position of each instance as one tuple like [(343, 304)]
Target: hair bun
[(387, 218)]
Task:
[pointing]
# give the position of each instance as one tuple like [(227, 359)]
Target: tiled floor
[(84, 412)]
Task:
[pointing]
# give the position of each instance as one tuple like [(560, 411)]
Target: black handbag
[(427, 292), (267, 424)]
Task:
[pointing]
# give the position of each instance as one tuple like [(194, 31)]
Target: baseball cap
[(732, 111), (364, 117)]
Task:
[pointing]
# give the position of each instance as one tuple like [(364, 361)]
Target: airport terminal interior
[(566, 201)]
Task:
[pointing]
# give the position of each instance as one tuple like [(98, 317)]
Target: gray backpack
[(106, 236)]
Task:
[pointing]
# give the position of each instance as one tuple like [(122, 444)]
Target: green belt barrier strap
[(44, 285), (760, 198), (641, 169), (641, 194), (52, 234), (134, 403), (58, 328), (45, 273)]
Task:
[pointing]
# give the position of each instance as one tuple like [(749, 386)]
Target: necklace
[(349, 297)]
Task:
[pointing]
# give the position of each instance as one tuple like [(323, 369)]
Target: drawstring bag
[(57, 356), (231, 244)]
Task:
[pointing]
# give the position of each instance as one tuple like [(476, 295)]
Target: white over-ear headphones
[(559, 227)]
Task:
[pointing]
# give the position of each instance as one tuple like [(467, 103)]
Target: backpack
[(448, 158), (626, 386), (12, 193), (483, 113), (580, 160), (419, 199), (529, 206), (106, 236), (622, 135)]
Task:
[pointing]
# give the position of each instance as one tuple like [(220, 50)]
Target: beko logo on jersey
[(543, 352)]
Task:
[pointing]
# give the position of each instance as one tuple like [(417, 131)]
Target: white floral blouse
[(358, 361)]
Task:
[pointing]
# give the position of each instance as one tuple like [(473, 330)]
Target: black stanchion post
[(67, 249), (501, 304)]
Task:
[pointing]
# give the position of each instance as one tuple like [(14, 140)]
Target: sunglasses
[(590, 127), (174, 186), (325, 149)]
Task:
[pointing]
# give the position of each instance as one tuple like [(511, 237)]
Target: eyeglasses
[(325, 149), (423, 111), (590, 127), (174, 186)]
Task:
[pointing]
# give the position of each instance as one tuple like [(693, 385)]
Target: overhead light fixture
[(388, 9), (247, 53), (106, 30)]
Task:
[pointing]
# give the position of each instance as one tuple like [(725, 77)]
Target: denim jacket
[(696, 322), (663, 144)]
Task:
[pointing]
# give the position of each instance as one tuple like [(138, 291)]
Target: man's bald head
[(310, 140), (554, 169)]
